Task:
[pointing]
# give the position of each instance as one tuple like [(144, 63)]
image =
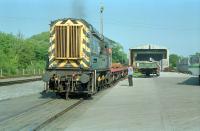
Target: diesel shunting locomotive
[(79, 59)]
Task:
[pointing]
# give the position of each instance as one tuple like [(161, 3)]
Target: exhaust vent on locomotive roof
[(67, 41)]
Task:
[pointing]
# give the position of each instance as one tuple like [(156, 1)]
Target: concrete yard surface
[(170, 102), (24, 89), (19, 78)]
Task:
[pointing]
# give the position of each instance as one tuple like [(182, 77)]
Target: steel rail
[(57, 115), (27, 110)]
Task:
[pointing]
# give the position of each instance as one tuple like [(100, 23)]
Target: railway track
[(40, 115), (57, 115), (25, 111), (12, 81)]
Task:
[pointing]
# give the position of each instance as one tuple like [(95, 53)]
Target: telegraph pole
[(101, 20)]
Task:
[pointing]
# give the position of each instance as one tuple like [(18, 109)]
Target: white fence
[(20, 72)]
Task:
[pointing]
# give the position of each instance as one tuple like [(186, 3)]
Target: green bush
[(17, 54)]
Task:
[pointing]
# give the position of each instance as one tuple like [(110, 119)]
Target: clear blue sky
[(174, 24)]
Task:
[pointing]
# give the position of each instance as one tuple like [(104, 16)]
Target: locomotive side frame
[(69, 85)]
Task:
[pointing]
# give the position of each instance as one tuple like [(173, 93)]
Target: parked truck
[(148, 67)]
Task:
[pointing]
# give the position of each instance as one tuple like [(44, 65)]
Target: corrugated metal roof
[(149, 46)]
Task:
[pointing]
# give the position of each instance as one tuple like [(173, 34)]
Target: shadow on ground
[(48, 95), (191, 81), (124, 85), (144, 76), (53, 95)]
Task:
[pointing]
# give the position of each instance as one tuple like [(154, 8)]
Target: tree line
[(17, 52), (174, 59)]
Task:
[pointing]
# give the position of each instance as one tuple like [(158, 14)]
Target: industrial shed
[(147, 52)]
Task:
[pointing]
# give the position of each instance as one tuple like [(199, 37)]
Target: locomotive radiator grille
[(67, 42)]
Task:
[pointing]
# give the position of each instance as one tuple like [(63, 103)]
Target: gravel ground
[(17, 90)]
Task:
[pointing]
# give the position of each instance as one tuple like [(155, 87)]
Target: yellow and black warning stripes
[(69, 44), (64, 64)]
